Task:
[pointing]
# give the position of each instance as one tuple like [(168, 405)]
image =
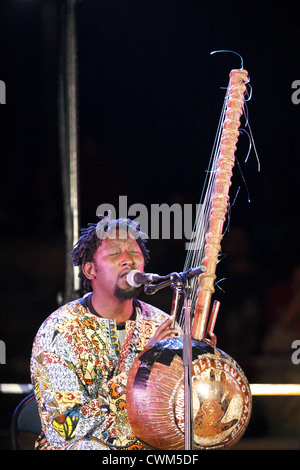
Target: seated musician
[(83, 351)]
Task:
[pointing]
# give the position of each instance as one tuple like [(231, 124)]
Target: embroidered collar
[(86, 302)]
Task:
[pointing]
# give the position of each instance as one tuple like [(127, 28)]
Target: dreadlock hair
[(92, 236)]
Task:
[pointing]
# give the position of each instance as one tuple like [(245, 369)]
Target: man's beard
[(126, 294)]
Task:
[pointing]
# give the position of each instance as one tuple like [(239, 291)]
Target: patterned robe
[(79, 375)]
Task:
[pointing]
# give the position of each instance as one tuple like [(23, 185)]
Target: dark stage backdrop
[(149, 101)]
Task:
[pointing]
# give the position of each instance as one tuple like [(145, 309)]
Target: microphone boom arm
[(182, 277)]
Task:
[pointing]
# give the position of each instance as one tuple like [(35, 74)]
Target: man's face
[(113, 260)]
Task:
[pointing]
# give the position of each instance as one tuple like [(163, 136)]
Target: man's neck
[(113, 308)]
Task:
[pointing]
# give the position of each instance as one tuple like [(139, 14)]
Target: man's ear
[(89, 270)]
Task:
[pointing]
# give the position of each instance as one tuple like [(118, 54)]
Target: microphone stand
[(178, 281), (188, 390), (180, 287)]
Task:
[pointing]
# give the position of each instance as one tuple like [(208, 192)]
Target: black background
[(149, 101)]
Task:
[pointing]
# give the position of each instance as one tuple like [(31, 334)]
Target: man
[(83, 352)]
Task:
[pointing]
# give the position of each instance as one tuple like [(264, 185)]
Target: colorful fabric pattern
[(79, 374)]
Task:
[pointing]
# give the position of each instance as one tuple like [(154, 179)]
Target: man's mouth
[(124, 274)]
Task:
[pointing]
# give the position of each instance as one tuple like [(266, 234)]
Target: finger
[(163, 330), (212, 338), (163, 326), (169, 333)]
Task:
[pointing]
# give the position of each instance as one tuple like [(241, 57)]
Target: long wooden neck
[(220, 199)]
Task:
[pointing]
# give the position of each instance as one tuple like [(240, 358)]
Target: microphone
[(135, 278), (192, 272)]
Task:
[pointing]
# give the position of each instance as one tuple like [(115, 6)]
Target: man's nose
[(127, 259)]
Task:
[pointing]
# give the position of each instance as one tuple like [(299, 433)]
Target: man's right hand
[(164, 331)]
